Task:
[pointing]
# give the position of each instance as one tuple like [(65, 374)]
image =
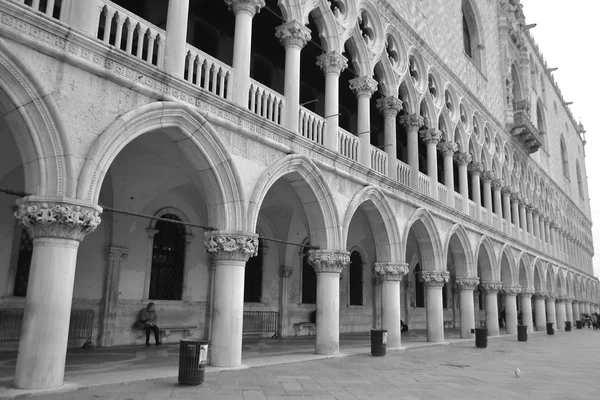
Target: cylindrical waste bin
[(522, 333), (579, 324), (549, 328), (192, 361), (378, 342), (481, 337), (567, 326)]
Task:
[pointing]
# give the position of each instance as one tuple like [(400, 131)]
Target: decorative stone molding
[(466, 283), (491, 287), (507, 191), (550, 296), (251, 6), (332, 62), (539, 295), (285, 271), (448, 148), (434, 278), (523, 201), (487, 176), (475, 167), (293, 33), (497, 183), (57, 218), (570, 299), (390, 105), (412, 120), (462, 158), (328, 261), (528, 292), (510, 290), (363, 86), (561, 297), (431, 135), (390, 271), (515, 197), (234, 246)]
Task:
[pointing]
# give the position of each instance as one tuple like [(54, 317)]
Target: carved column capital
[(390, 105), (491, 287), (523, 201), (550, 296), (431, 135), (497, 183), (487, 176), (332, 62), (463, 158), (363, 86), (467, 283), (412, 120), (251, 6), (510, 290), (475, 167), (539, 295), (506, 190), (434, 278), (527, 292), (328, 261), (285, 271), (57, 218), (229, 245), (293, 33), (515, 197), (448, 148), (390, 271)]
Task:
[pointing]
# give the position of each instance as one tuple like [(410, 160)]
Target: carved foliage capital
[(515, 197), (57, 219), (491, 287), (466, 283), (511, 290), (434, 278), (390, 271), (475, 167), (390, 105), (363, 86), (234, 246), (497, 183), (431, 135), (414, 120), (506, 190), (448, 148), (540, 295), (251, 6), (332, 62), (328, 261), (487, 176), (527, 292), (293, 33), (462, 158)]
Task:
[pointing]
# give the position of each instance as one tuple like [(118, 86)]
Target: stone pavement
[(563, 366)]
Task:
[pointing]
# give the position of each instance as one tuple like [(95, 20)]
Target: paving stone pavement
[(563, 366)]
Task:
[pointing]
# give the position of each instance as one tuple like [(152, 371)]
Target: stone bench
[(309, 328), (165, 331)]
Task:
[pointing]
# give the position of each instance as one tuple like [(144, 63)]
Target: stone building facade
[(370, 160)]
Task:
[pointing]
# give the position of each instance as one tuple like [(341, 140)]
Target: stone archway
[(490, 285)]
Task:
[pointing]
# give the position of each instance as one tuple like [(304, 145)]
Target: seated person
[(403, 326), (147, 320)]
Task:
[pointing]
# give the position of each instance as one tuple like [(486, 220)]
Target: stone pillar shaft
[(432, 137), (463, 159), (551, 310), (490, 290), (540, 312), (332, 64), (434, 282), (413, 122), (467, 308), (476, 168), (526, 314), (389, 107), (177, 26), (448, 149), (391, 275), (506, 203), (364, 87)]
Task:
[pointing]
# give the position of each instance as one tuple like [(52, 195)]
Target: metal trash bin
[(522, 333), (481, 339), (549, 328), (567, 326), (579, 324), (192, 362), (378, 342)]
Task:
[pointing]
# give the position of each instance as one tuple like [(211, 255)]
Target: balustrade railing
[(378, 160), (424, 184), (347, 144), (484, 214), (472, 212), (442, 193), (265, 102), (403, 173), (495, 221), (311, 125), (128, 32), (458, 201), (51, 8), (207, 72)]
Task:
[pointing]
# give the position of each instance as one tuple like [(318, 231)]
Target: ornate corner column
[(432, 137), (391, 275), (229, 252), (561, 312), (244, 11), (569, 309), (551, 308), (389, 108), (364, 87), (57, 226), (413, 122), (284, 274), (448, 149), (328, 265), (486, 178), (526, 314), (476, 168), (434, 281), (114, 257), (506, 200), (510, 307), (177, 28), (540, 310), (497, 195), (463, 159), (490, 290), (332, 64), (465, 287), (293, 36)]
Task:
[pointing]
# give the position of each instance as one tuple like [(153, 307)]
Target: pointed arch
[(486, 260), (428, 239), (509, 274), (457, 242), (525, 271), (327, 25), (408, 95), (359, 54)]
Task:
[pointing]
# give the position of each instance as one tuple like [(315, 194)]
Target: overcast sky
[(568, 34)]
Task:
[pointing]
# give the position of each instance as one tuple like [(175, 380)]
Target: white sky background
[(568, 34)]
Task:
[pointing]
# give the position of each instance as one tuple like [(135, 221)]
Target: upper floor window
[(564, 157), (168, 258), (579, 181), (472, 38)]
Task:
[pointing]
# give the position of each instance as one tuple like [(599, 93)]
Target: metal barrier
[(261, 321), (81, 325)]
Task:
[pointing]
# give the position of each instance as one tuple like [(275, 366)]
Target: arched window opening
[(309, 279), (419, 288), (472, 40), (23, 263), (467, 37), (356, 279), (168, 259), (253, 276), (564, 157), (579, 182)]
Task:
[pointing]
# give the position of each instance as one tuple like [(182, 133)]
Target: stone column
[(547, 231), (526, 314), (497, 195), (328, 265), (523, 218), (432, 137), (244, 11), (536, 223), (293, 36), (506, 199), (389, 107), (487, 177), (561, 312), (111, 293), (467, 308), (529, 217), (576, 313), (463, 159), (448, 149), (434, 281), (490, 290), (540, 310), (177, 27), (332, 64), (391, 275), (515, 198), (284, 275), (510, 307), (364, 87), (229, 252), (542, 230), (476, 168), (551, 308), (413, 122), (569, 310), (57, 226), (82, 16)]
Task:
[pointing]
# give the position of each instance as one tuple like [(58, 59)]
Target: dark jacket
[(147, 316)]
